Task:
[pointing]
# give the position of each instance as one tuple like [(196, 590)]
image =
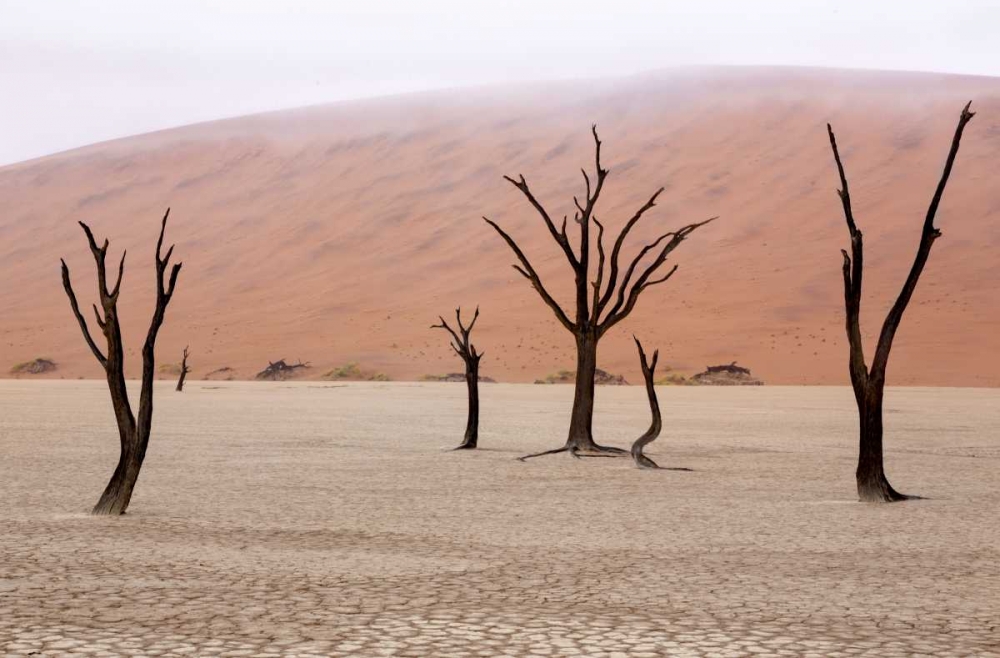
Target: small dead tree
[(133, 431), (184, 370), (465, 349), (278, 371), (601, 303), (648, 368), (869, 383)]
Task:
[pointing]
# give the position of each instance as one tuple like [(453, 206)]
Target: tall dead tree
[(133, 431), (184, 371), (601, 303), (648, 368), (467, 351), (869, 383)]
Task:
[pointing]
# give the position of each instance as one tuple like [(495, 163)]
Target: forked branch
[(68, 287), (853, 267), (628, 297), (591, 305), (528, 272), (927, 237), (461, 342)]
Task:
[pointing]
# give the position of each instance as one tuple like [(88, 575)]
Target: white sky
[(75, 72)]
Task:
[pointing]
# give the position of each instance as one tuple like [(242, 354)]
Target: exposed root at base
[(878, 490), (608, 449), (542, 454), (642, 461), (596, 451), (893, 497)]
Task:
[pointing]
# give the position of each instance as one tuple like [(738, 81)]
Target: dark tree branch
[(623, 289), (616, 252), (68, 287), (853, 271), (559, 236), (600, 267), (461, 342), (661, 279), (457, 344), (927, 237), (118, 281), (620, 311), (529, 273)]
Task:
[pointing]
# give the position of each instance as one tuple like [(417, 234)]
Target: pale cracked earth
[(320, 520)]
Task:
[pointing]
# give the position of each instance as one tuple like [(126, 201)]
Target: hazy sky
[(79, 71)]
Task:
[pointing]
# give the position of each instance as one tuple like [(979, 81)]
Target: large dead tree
[(133, 431), (648, 368), (601, 303), (467, 351), (869, 382), (184, 371)]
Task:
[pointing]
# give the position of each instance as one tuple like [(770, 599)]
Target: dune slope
[(337, 234)]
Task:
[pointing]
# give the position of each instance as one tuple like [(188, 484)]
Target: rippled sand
[(308, 519)]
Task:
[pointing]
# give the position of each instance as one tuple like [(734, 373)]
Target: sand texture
[(337, 234), (296, 519)]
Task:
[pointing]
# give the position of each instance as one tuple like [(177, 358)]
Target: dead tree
[(133, 431), (648, 368), (184, 371), (601, 303), (465, 349), (279, 370), (869, 383)]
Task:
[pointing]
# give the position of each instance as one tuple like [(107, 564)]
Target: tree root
[(609, 450), (542, 454), (595, 451), (642, 461)]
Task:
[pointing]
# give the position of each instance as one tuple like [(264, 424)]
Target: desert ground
[(316, 519), (336, 234)]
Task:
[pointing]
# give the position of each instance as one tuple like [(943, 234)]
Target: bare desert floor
[(326, 520)]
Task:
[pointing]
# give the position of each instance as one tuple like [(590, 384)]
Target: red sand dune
[(338, 233)]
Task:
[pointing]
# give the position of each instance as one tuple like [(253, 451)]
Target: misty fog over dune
[(337, 233)]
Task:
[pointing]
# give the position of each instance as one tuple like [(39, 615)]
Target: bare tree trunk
[(869, 382), (471, 439), (118, 493), (641, 460), (467, 351), (873, 486), (184, 371), (581, 423), (133, 432)]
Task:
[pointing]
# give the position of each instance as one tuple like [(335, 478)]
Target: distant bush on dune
[(455, 377), (672, 379), (34, 367), (173, 369), (601, 378), (353, 372), (225, 373)]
